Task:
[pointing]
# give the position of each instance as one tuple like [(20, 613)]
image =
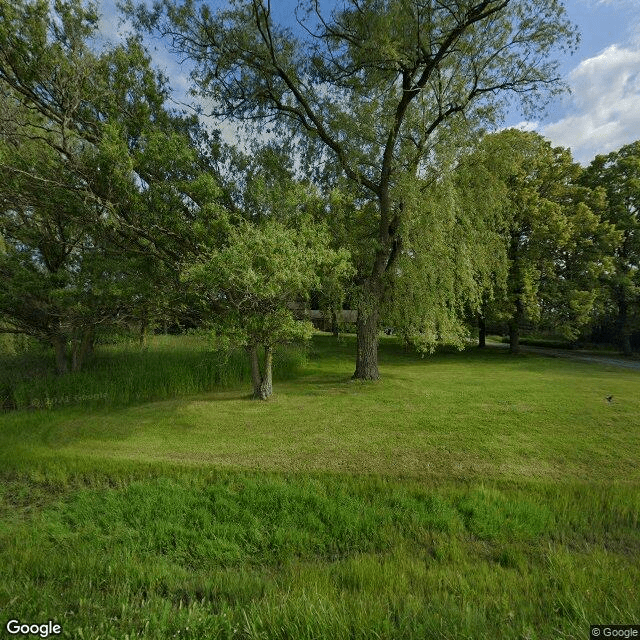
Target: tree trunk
[(373, 287), (261, 377), (334, 324), (256, 376), (266, 385), (142, 334), (76, 359), (367, 333), (626, 344), (60, 349), (482, 331), (624, 331), (80, 349), (514, 336)]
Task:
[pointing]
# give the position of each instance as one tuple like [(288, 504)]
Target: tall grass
[(126, 373), (239, 555)]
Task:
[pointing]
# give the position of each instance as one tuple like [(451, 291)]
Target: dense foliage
[(370, 93), (119, 213)]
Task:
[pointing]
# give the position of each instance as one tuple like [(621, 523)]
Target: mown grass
[(471, 495)]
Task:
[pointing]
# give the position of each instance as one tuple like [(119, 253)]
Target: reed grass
[(127, 373), (240, 555)]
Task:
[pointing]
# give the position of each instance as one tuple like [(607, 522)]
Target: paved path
[(574, 355)]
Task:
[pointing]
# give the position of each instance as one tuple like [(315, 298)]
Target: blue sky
[(601, 114)]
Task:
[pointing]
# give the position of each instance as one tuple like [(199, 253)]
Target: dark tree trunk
[(76, 358), (373, 288), (516, 285), (622, 322), (261, 377), (482, 331), (626, 344), (334, 324), (514, 337), (367, 333), (80, 349), (142, 334), (60, 350)]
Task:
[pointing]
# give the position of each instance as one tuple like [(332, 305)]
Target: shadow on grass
[(326, 375)]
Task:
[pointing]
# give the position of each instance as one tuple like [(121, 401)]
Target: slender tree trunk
[(76, 359), (334, 324), (80, 349), (261, 377), (367, 333), (626, 344), (256, 375), (60, 350), (622, 322), (514, 336), (482, 331), (266, 385), (142, 333), (516, 285)]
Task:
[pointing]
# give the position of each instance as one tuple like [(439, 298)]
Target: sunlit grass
[(458, 416), (466, 495)]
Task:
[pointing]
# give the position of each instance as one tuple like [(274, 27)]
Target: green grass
[(466, 495), (127, 373)]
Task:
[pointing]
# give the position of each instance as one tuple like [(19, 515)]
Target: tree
[(57, 278), (618, 173), (103, 189), (557, 245), (252, 278), (371, 88)]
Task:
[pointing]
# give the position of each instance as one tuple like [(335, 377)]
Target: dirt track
[(575, 355)]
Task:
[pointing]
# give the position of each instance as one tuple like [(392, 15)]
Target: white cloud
[(527, 125), (605, 104)]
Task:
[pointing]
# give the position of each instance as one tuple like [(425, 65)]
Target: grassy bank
[(470, 495)]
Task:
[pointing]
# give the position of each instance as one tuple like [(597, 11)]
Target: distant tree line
[(118, 211)]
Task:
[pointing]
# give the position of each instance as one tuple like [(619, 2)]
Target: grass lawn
[(465, 495)]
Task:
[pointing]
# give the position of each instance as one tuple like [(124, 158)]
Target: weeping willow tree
[(367, 87), (453, 255)]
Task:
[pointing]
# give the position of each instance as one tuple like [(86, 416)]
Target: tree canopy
[(556, 244), (618, 173), (371, 88), (374, 181), (252, 278), (101, 185)]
